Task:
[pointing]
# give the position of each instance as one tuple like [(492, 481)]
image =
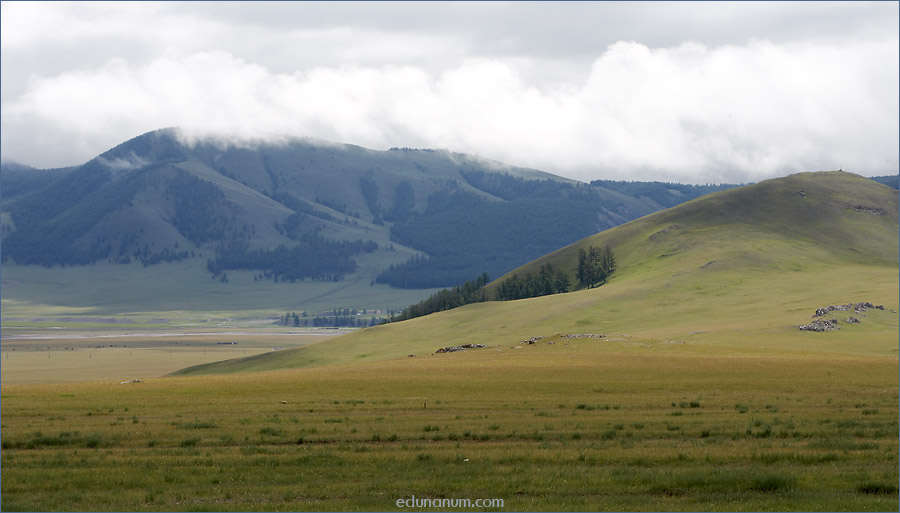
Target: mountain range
[(307, 210)]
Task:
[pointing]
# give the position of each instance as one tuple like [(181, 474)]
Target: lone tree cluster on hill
[(595, 265), (547, 281)]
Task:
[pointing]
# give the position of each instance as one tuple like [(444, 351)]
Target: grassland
[(695, 399), (90, 355), (588, 425), (682, 384)]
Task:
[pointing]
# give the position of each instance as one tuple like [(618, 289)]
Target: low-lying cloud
[(689, 113)]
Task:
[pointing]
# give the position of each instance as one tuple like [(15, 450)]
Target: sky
[(694, 92)]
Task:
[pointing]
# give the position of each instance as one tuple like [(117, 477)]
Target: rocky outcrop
[(859, 308), (585, 335), (820, 325), (875, 211), (463, 347)]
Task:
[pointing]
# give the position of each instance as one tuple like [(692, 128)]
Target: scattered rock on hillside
[(820, 325), (852, 320), (664, 231), (707, 264), (136, 380), (531, 340), (859, 308), (463, 347), (875, 211), (570, 336)]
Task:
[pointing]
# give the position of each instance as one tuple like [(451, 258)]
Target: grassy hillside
[(785, 223), (740, 268)]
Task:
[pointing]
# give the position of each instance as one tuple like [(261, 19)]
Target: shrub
[(769, 484), (270, 431), (877, 488)]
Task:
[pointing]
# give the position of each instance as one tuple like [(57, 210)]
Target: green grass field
[(592, 425)]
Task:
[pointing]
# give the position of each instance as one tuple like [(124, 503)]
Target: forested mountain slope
[(300, 209)]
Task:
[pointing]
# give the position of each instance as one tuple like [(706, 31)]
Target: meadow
[(90, 355), (576, 424)]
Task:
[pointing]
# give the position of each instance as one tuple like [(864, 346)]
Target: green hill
[(785, 223), (741, 269)]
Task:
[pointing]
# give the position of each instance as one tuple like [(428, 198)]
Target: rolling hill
[(157, 211), (738, 269)]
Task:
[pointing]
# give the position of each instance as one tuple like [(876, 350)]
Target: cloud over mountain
[(690, 112)]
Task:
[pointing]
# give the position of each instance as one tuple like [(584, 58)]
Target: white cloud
[(688, 112)]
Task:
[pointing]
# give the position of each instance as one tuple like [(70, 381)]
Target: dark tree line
[(446, 299), (337, 318), (508, 187), (149, 258), (315, 258), (336, 205), (199, 207), (666, 194), (404, 201), (370, 193), (595, 265), (419, 272), (547, 281), (890, 181), (295, 227), (301, 206)]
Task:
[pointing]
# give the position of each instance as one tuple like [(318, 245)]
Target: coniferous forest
[(465, 233)]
